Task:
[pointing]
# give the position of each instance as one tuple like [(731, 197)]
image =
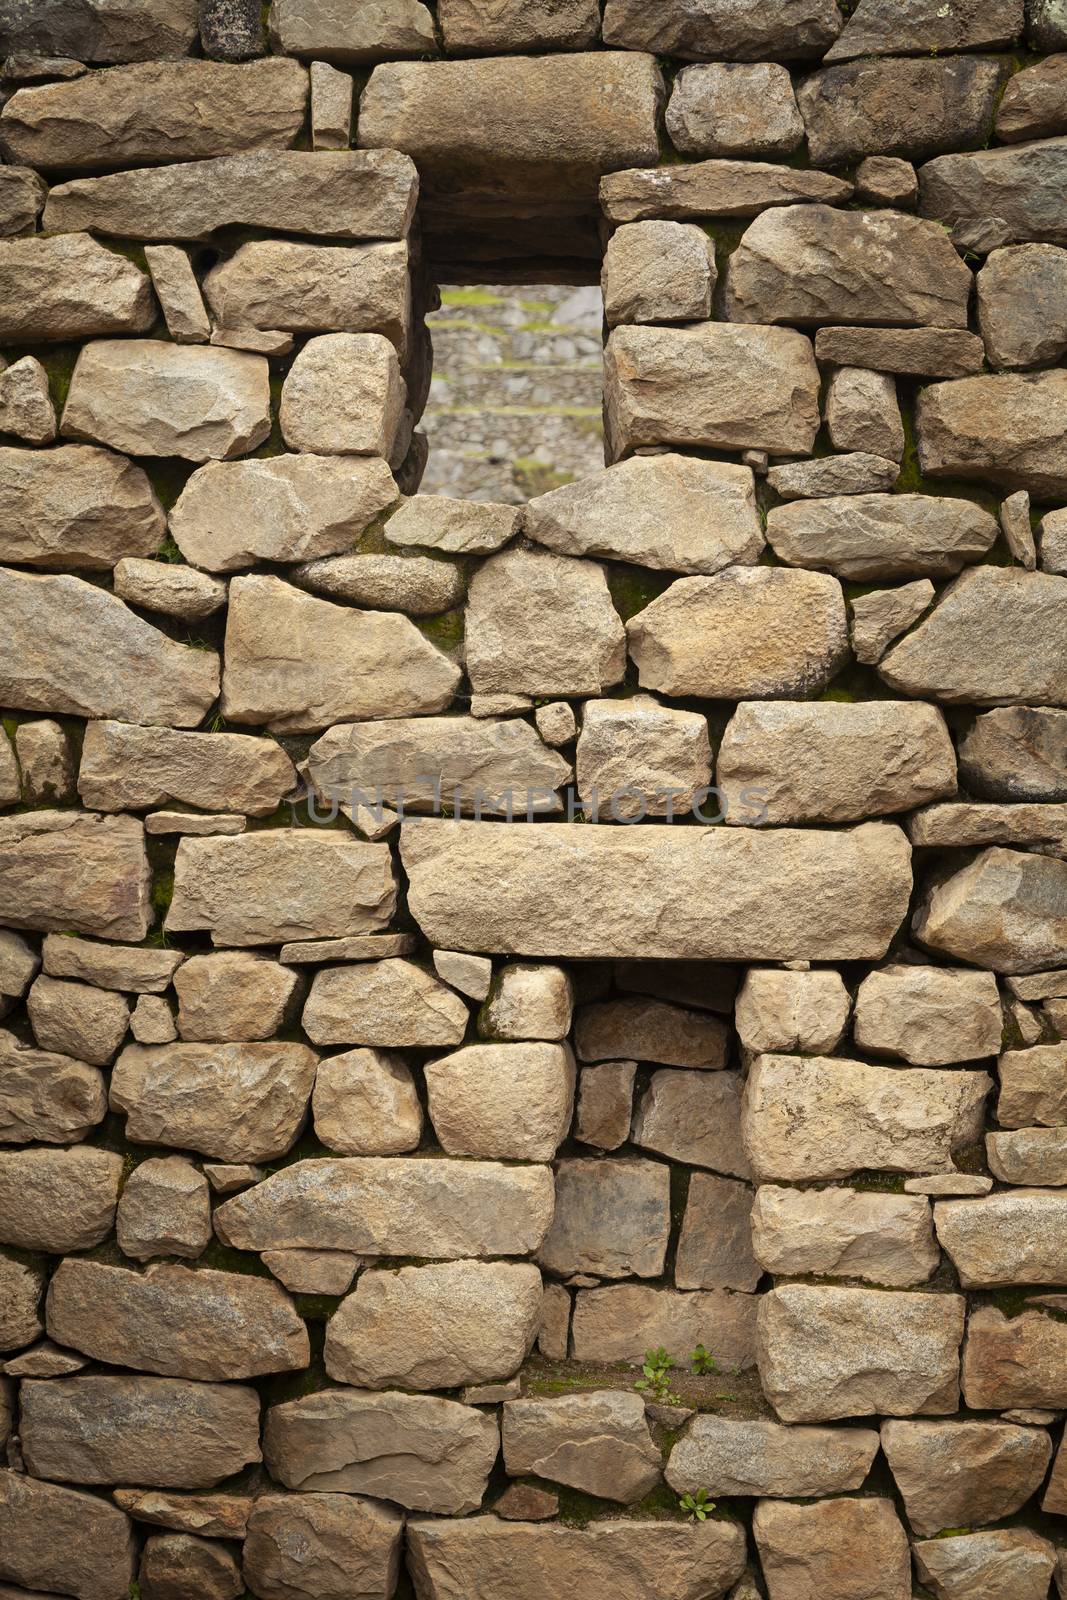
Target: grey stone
[(919, 352), (76, 1018), (884, 1239), (1013, 191), (715, 1246), (917, 27), (164, 1210), (103, 30), (597, 1443), (322, 1547), (392, 1003), (1022, 305), (693, 1118), (908, 107), (605, 1104), (343, 395), (1016, 753), (956, 1474), (728, 1456), (743, 32), (1003, 911), (75, 871), (91, 508), (929, 1016), (89, 1550), (612, 1219), (490, 26), (231, 30), (58, 1200), (504, 1101), (658, 272), (716, 188), (734, 110), (622, 1322), (69, 287), (388, 28), (1035, 1156), (856, 474)]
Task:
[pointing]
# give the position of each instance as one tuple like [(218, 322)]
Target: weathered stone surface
[(542, 624), (1016, 753), (1009, 429), (90, 508), (836, 1549), (717, 384), (1009, 195), (958, 1474), (883, 615), (793, 1011), (156, 111), (693, 1118), (74, 871), (862, 413), (612, 1219), (474, 26), (949, 1183), (233, 994), (328, 1272), (435, 1327), (727, 1456), (235, 1102), (910, 107), (19, 963), (528, 1001), (73, 647), (150, 398), (882, 536), (388, 28), (58, 1200), (47, 1097), (432, 1209), (1034, 103), (46, 758), (718, 188), (747, 632), (76, 1019), (638, 758), (417, 585), (808, 1117), (455, 527), (162, 1432), (597, 1443), (69, 287), (732, 896), (285, 508), (176, 591), (651, 1030), (26, 408), (262, 888), (313, 288), (1054, 1497), (365, 1103), (350, 194), (825, 762), (929, 1016), (856, 474), (21, 1287), (886, 1239), (813, 264), (1033, 1087), (331, 107), (891, 1352), (178, 294), (10, 776), (164, 1210), (504, 1101), (1022, 305), (717, 27), (714, 1246), (124, 766), (621, 1322), (172, 1563), (472, 975), (672, 512), (1008, 1564), (103, 31), (658, 272), (1014, 1361), (583, 115), (1054, 542), (89, 1550), (734, 110), (322, 1547), (177, 1322), (1029, 1156), (887, 181), (22, 194), (1005, 911), (109, 966), (605, 1104), (213, 1516), (888, 28), (1004, 1239), (392, 1003), (921, 352), (422, 1452)]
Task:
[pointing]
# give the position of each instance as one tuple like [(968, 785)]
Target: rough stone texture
[(73, 871), (640, 758), (177, 1322), (1028, 1156), (503, 1101), (658, 272), (178, 293), (722, 188), (596, 1443), (455, 527), (528, 1001), (883, 615), (322, 1547), (164, 1210), (474, 26), (921, 352), (46, 760), (416, 585), (58, 1200), (612, 1218), (717, 385), (46, 1097), (1014, 1361), (884, 1239), (156, 111), (233, 994), (887, 181), (162, 1432), (958, 1474), (855, 474), (176, 591), (433, 1209), (234, 1102), (76, 1019), (721, 110), (392, 1003), (435, 1327), (331, 107), (714, 1245), (1033, 1087), (308, 288), (622, 1322), (862, 412), (26, 408), (694, 1118), (343, 395), (605, 1104), (21, 1286), (1034, 103), (90, 508), (735, 32), (109, 966), (887, 27), (808, 1117), (1017, 753), (892, 1353), (424, 1453), (22, 194), (793, 1011), (69, 287), (728, 1456), (89, 1551), (927, 1016), (1009, 429), (1009, 1564), (1004, 911), (123, 766), (910, 107), (1004, 196), (365, 1104), (1004, 1239), (654, 1031), (1022, 305), (832, 763), (836, 1549), (171, 1563), (388, 28), (869, 536)]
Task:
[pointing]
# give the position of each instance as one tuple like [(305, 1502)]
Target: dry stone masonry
[(533, 1037)]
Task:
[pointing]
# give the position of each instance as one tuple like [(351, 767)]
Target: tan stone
[(658, 272), (89, 1550), (435, 1327), (10, 777), (553, 1335), (528, 1001), (875, 536), (883, 615), (929, 1016), (862, 412), (331, 107), (164, 1210), (694, 1118), (47, 761), (391, 1003), (1014, 1361), (314, 288), (1033, 1087), (21, 1287), (47, 1097), (716, 384), (651, 1030), (174, 1321), (69, 287), (343, 395), (418, 585), (1009, 429), (476, 26), (73, 647), (58, 1200), (19, 964), (26, 408), (734, 110), (1007, 1564), (177, 591), (1005, 1239), (178, 293), (432, 1209), (168, 1433), (836, 1549), (749, 632), (605, 1104), (22, 194), (891, 1352), (612, 1218), (792, 1011), (637, 757), (156, 111), (730, 1456), (504, 1101), (1005, 911), (885, 1239), (597, 1443), (714, 1246), (456, 527), (1034, 103), (721, 28), (1007, 194), (422, 1452), (920, 352), (110, 966), (385, 28), (319, 1272), (262, 888), (886, 27), (1035, 1156), (235, 1102), (76, 1019), (621, 1322), (1022, 305), (956, 1474), (233, 994), (1017, 753), (856, 474), (172, 1563), (75, 871), (913, 107), (123, 766), (365, 1104), (719, 188), (322, 1547)]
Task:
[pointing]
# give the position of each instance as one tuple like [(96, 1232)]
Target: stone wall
[(455, 954)]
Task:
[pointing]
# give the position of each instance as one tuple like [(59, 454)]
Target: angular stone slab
[(69, 871), (910, 107), (89, 1550), (333, 194), (279, 884), (1006, 911), (728, 1456), (1017, 1237), (504, 1101), (394, 1003), (176, 1322), (598, 1443), (58, 1200), (164, 1433), (70, 647), (832, 1548), (915, 352), (867, 536), (694, 1118), (1008, 428), (110, 966), (70, 287), (316, 1544), (621, 1322), (562, 889), (612, 1219), (126, 767), (313, 288), (433, 1209), (1033, 1087), (47, 1097), (722, 188), (422, 1452), (1003, 1563), (956, 1474), (913, 27), (1010, 1362), (885, 1239), (723, 29), (1018, 753), (1016, 189), (363, 33), (91, 508)]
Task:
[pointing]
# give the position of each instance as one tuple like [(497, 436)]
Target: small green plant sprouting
[(697, 1505), (703, 1363), (655, 1382)]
